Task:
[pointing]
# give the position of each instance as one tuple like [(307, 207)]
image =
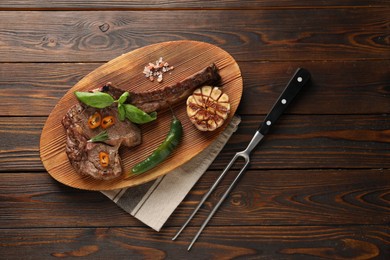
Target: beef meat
[(125, 133), (161, 98), (84, 155)]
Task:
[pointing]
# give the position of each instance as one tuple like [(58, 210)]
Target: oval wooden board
[(125, 71)]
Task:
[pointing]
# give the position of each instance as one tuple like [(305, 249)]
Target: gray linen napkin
[(153, 202)]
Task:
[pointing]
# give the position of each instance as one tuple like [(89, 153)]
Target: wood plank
[(33, 89), (183, 4), (355, 87), (340, 34), (312, 142), (296, 142), (290, 197), (19, 140), (306, 242), (294, 197), (346, 87)]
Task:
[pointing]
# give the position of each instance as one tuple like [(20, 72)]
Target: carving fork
[(300, 78)]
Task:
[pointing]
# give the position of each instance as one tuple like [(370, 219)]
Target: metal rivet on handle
[(284, 101), (268, 122), (299, 79)]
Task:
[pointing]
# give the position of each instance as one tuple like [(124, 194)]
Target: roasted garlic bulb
[(208, 108)]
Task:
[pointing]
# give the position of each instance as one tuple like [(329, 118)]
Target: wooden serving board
[(125, 71)]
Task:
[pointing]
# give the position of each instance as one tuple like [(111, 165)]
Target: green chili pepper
[(171, 141), (138, 116), (95, 99)]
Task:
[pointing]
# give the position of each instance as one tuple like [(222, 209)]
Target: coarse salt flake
[(157, 69)]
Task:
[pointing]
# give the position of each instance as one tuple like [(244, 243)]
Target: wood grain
[(361, 88), (274, 197), (319, 142), (303, 242), (293, 197), (297, 141), (188, 58), (317, 188), (183, 4), (292, 34)]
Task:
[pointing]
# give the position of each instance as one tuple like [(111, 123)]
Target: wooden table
[(318, 187)]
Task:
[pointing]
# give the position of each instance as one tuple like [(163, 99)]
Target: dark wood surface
[(317, 188)]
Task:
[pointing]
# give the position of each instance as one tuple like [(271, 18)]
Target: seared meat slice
[(162, 98), (125, 133), (83, 155)]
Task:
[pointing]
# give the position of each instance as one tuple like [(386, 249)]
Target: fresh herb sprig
[(99, 99), (101, 137)]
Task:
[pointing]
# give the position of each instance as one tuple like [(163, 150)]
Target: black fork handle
[(296, 83)]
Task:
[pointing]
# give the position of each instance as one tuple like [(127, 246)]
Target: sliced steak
[(125, 133), (83, 155)]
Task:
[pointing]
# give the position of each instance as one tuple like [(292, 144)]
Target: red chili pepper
[(104, 159), (94, 120), (108, 121)]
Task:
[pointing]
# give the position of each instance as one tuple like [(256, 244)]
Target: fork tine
[(207, 195), (220, 201)]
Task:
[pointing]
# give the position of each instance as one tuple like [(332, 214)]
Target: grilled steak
[(125, 133), (162, 98), (85, 156)]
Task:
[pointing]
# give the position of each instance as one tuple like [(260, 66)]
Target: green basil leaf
[(136, 115), (123, 97), (95, 99), (121, 112)]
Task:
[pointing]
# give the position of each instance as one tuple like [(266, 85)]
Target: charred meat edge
[(161, 98)]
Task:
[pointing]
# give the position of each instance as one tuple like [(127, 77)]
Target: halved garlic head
[(208, 107)]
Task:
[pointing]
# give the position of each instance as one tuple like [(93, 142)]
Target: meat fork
[(300, 78)]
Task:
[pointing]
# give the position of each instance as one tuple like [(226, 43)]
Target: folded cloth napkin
[(153, 202)]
